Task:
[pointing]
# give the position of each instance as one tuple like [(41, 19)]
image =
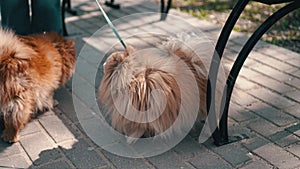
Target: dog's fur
[(31, 68), (179, 67)]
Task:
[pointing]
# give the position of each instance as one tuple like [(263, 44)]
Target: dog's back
[(50, 42)]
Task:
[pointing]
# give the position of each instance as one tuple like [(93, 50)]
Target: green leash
[(111, 25)]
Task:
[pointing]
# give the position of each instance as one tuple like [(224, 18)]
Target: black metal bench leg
[(63, 9), (66, 7), (220, 134), (112, 4), (252, 41), (164, 11), (69, 9)]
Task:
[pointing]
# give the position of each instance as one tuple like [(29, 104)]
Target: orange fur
[(31, 68), (139, 74)]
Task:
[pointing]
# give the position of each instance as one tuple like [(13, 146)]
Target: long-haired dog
[(31, 68), (146, 92)]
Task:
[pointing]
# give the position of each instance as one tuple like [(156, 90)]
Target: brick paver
[(266, 108)]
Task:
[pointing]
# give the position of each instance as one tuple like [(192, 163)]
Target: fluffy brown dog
[(132, 80), (31, 68)]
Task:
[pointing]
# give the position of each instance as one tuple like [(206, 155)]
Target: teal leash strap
[(110, 24)]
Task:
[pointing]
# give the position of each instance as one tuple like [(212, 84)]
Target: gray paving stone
[(86, 93), (271, 72), (17, 161), (249, 73), (254, 143), (293, 81), (239, 38), (244, 99), (285, 141), (91, 55), (257, 164), (263, 127), (271, 98), (40, 148), (277, 52), (202, 24), (56, 128), (270, 61), (81, 23), (234, 47), (73, 30), (274, 115), (124, 163), (294, 128), (293, 110), (79, 42), (294, 61), (294, 94), (277, 156), (48, 156), (209, 160), (251, 64), (65, 100), (284, 138), (240, 113), (239, 130), (244, 84), (233, 153), (272, 84), (31, 127), (82, 155), (86, 70), (61, 164), (7, 149), (69, 124), (295, 72), (168, 160), (189, 148), (88, 7), (82, 111), (122, 148), (295, 149)]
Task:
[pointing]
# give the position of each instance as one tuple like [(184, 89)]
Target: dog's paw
[(9, 137)]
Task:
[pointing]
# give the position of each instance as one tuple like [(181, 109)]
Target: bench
[(220, 135)]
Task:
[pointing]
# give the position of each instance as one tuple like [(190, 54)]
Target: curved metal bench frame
[(220, 135)]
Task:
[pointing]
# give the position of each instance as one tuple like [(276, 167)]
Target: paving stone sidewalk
[(267, 109)]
